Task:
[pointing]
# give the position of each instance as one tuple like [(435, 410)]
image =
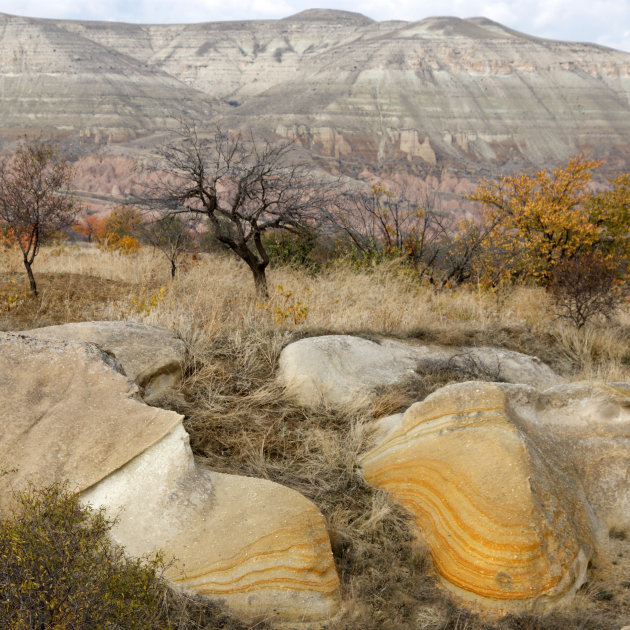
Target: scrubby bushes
[(584, 288), (59, 569), (550, 229)]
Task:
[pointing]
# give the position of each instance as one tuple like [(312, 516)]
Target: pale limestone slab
[(342, 370), (69, 414), (151, 356)]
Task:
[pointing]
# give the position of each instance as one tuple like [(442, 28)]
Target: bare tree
[(34, 199), (171, 235), (245, 187), (391, 222)]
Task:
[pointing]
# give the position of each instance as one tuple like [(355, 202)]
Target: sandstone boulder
[(507, 526), (260, 547), (151, 356), (343, 370), (69, 414), (588, 427)]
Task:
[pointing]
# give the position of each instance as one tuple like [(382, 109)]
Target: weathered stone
[(588, 426), (69, 414), (488, 364), (261, 547), (152, 357), (507, 526), (344, 370)]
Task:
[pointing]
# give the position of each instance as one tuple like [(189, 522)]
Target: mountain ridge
[(365, 98)]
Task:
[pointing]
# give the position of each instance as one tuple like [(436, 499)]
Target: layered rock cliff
[(470, 97)]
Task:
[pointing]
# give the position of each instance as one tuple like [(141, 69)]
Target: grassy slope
[(239, 421)]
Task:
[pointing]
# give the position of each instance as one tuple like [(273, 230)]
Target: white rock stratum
[(438, 97)]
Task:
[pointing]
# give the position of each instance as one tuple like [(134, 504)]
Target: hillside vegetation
[(542, 270)]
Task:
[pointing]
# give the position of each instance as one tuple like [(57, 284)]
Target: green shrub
[(297, 250), (60, 570)]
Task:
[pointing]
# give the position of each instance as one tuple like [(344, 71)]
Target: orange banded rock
[(506, 526), (69, 414), (259, 546)]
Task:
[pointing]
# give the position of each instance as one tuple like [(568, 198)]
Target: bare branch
[(244, 186)]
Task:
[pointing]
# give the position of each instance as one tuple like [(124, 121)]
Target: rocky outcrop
[(150, 356), (260, 547), (69, 413), (587, 427), (343, 370), (507, 525), (490, 364)]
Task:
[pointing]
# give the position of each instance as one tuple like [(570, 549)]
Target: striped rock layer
[(260, 547), (69, 414), (505, 527)]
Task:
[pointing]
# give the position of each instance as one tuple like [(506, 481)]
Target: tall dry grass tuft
[(594, 353)]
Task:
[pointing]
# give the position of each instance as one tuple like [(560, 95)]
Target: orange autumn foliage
[(91, 226), (537, 221)]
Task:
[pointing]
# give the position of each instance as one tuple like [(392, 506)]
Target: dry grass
[(63, 297), (215, 294), (240, 422)]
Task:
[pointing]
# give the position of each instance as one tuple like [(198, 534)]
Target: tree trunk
[(173, 269), (260, 280), (31, 277)]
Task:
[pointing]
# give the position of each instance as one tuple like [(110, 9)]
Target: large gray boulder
[(341, 370), (150, 356), (587, 427), (69, 414)]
